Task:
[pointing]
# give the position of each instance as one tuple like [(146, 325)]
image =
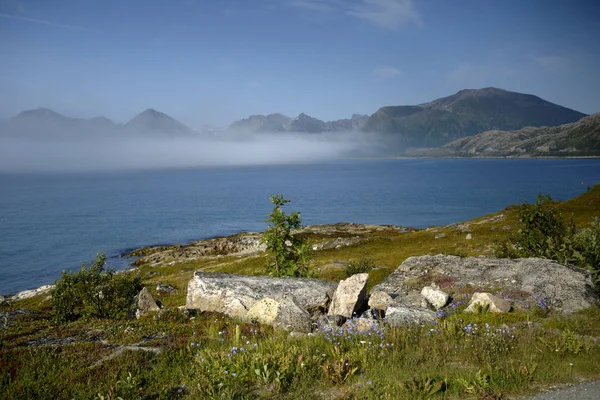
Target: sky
[(215, 61)]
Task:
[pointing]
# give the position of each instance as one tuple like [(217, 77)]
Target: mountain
[(157, 123), (302, 123), (581, 138), (466, 113), (45, 123), (263, 123)]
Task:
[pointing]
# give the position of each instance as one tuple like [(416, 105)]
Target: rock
[(144, 303), (564, 287), (234, 295), (163, 287), (362, 324), (26, 294), (494, 303), (282, 313), (469, 236), (399, 315), (380, 300), (350, 296), (2, 300), (436, 297), (440, 235), (330, 322)]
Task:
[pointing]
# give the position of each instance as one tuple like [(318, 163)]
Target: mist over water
[(155, 152)]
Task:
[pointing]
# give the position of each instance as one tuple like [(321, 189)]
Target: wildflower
[(233, 374)]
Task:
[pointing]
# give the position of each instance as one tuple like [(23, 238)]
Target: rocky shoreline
[(239, 244)]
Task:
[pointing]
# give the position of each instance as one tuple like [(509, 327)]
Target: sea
[(50, 222)]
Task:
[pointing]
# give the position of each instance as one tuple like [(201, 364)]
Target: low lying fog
[(95, 154)]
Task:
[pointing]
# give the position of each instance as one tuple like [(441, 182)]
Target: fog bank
[(136, 152)]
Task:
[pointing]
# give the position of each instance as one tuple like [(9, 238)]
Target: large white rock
[(494, 303), (436, 297), (282, 313), (350, 296), (234, 295)]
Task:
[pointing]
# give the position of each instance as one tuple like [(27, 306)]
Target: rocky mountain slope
[(581, 138), (466, 113)]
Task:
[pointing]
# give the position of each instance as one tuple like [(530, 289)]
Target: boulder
[(163, 287), (234, 295), (282, 313), (350, 296), (380, 301), (144, 303), (399, 315), (436, 297), (565, 287), (487, 300), (362, 324)]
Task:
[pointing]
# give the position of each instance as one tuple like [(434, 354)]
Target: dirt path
[(584, 391)]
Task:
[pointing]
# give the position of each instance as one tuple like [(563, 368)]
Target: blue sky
[(215, 61)]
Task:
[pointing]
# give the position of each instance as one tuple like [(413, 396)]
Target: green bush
[(359, 267), (93, 291), (544, 233)]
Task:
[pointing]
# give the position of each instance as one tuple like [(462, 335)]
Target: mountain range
[(576, 139), (45, 123), (402, 128), (302, 123)]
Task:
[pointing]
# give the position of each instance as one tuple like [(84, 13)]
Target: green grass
[(532, 350)]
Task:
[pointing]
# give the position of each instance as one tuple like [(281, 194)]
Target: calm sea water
[(51, 222)]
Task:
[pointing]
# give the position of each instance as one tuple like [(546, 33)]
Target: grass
[(200, 355)]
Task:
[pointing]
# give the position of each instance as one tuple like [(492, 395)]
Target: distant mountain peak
[(40, 112), (154, 121)]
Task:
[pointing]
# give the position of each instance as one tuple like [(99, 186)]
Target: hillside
[(466, 113), (581, 138)]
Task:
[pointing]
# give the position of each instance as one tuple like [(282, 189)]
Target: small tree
[(291, 253)]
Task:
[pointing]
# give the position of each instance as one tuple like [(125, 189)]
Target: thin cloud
[(311, 5), (552, 63), (47, 23), (386, 72), (387, 14)]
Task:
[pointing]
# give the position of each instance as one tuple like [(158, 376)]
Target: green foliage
[(93, 291), (424, 387), (359, 267), (291, 253), (544, 233)]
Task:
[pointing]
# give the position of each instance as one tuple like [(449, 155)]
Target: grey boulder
[(234, 295)]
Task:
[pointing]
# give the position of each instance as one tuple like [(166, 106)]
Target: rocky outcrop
[(26, 294), (488, 302), (564, 287), (145, 303), (350, 296), (234, 295), (283, 313)]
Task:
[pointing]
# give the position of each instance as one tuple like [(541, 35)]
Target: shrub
[(93, 291), (544, 233), (359, 267), (291, 253)]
